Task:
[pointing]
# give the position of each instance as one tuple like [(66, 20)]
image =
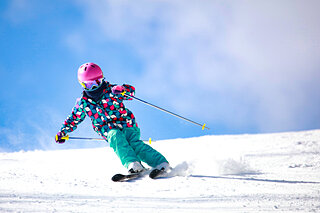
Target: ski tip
[(124, 178), (117, 177)]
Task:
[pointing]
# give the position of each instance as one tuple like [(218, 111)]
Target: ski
[(154, 174), (157, 173), (128, 177), (124, 178)]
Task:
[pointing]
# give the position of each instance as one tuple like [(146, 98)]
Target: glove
[(59, 137), (117, 89)]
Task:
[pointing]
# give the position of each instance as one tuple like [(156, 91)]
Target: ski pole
[(81, 138), (67, 137), (164, 110)]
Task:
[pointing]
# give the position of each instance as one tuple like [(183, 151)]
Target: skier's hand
[(118, 89), (59, 137)]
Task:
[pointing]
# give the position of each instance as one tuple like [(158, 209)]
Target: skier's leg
[(121, 147), (144, 152)]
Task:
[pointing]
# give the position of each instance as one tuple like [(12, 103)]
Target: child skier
[(103, 103)]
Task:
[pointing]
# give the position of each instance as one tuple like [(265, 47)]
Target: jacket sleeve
[(78, 114)]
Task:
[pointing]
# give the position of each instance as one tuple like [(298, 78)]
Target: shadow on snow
[(255, 179)]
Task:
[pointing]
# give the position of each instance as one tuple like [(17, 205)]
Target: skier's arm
[(78, 114)]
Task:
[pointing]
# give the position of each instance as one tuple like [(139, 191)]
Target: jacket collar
[(96, 94)]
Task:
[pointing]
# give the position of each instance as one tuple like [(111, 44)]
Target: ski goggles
[(90, 85)]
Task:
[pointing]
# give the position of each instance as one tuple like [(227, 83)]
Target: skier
[(103, 103)]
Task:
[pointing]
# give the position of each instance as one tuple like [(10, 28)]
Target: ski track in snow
[(230, 173)]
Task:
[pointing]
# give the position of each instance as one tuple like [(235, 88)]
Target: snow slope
[(238, 173)]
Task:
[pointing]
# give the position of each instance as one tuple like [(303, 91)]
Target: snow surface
[(231, 173)]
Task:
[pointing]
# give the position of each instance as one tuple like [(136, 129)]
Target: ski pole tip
[(204, 126)]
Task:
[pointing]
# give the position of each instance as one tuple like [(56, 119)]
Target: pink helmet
[(89, 72)]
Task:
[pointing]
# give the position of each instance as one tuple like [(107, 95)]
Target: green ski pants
[(127, 145)]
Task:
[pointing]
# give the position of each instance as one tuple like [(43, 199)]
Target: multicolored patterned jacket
[(107, 113)]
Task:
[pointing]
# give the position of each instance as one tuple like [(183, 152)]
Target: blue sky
[(240, 67)]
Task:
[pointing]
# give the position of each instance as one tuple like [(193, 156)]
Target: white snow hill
[(229, 173)]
